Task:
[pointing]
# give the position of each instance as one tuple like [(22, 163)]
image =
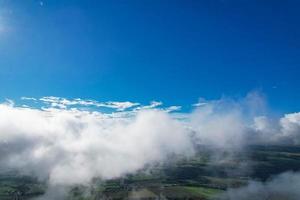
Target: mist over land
[(65, 143)]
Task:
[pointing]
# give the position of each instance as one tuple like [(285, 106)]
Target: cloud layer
[(73, 146), (67, 145)]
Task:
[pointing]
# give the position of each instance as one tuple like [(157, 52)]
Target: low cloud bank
[(284, 186), (229, 123), (71, 146)]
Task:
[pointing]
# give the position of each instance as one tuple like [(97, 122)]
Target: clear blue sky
[(143, 50)]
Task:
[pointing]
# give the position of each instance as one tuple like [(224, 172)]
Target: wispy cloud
[(64, 103), (29, 98), (283, 186)]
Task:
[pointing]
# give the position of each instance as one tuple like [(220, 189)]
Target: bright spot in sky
[(1, 27), (1, 24), (5, 15)]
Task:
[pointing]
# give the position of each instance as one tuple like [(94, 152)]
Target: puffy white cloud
[(218, 127), (285, 130), (229, 123), (71, 146), (290, 128), (225, 123)]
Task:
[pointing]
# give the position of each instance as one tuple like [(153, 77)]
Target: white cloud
[(58, 140), (172, 108), (199, 104), (153, 104), (120, 106), (64, 103), (57, 143), (218, 127), (29, 98), (290, 128)]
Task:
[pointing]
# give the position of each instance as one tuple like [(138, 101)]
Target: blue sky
[(171, 51)]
